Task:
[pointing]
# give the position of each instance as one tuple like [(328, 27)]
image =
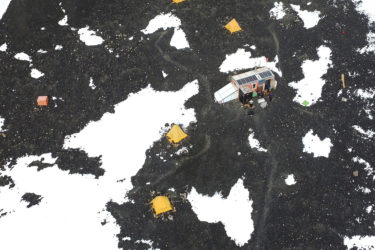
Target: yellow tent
[(161, 204), (178, 1), (233, 26), (176, 134)]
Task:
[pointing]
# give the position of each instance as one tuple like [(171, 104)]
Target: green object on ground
[(305, 103), (255, 94)]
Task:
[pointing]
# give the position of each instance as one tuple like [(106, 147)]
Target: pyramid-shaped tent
[(176, 134), (161, 204), (233, 26)]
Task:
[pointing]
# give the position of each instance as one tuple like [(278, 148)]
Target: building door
[(268, 84)]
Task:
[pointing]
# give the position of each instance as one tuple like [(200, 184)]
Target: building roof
[(253, 75), (227, 93)]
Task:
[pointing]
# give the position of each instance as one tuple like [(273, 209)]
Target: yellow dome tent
[(233, 26), (178, 1), (161, 204), (176, 134)]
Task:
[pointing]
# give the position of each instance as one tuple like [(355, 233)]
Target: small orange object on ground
[(233, 26), (42, 100), (178, 1)]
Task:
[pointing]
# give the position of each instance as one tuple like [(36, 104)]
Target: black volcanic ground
[(315, 213)]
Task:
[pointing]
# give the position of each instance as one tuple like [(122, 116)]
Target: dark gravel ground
[(315, 213)]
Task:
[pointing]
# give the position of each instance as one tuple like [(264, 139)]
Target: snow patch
[(277, 11), (366, 7), (122, 148), (309, 18), (254, 143), (364, 190), (360, 242), (290, 180), (91, 84), (3, 7), (22, 57), (36, 73), (368, 112), (371, 44), (164, 74), (165, 21), (72, 206), (365, 94), (3, 47), (58, 47), (234, 211), (178, 39), (368, 209), (162, 21), (89, 37), (41, 51), (241, 59), (63, 21), (313, 145), (183, 150), (368, 168), (368, 134), (2, 120), (309, 89)]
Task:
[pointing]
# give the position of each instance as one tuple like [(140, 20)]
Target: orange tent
[(233, 26), (42, 100), (176, 134), (161, 204)]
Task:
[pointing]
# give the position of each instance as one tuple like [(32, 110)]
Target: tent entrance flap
[(227, 93)]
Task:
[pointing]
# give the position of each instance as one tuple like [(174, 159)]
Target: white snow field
[(234, 211), (361, 242), (242, 59), (309, 89), (277, 11), (310, 18), (3, 7), (73, 206), (313, 145), (367, 7), (165, 21)]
